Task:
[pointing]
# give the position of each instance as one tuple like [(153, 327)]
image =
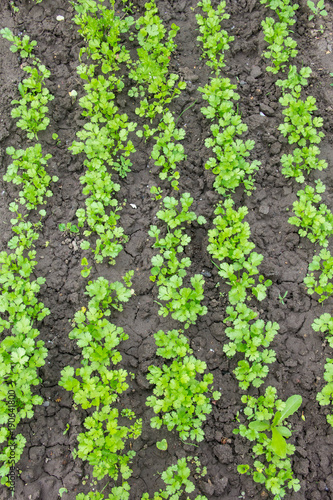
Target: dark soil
[(47, 463)]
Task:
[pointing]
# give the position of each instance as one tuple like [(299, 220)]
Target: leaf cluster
[(167, 152), (295, 81), (253, 339), (28, 170), (157, 86), (32, 107), (103, 441), (21, 45), (314, 218), (281, 47), (21, 355), (215, 41), (268, 428), (177, 481), (322, 284), (168, 270), (299, 125), (178, 394), (324, 324), (316, 9), (117, 493), (229, 166)]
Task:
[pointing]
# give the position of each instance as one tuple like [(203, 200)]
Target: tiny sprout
[(282, 297), (73, 95), (162, 445), (67, 429)]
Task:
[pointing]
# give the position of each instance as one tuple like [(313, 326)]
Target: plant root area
[(47, 463)]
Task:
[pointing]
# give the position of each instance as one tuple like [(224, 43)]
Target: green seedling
[(156, 87), (229, 166), (27, 170), (67, 429), (128, 278), (157, 192), (268, 427), (317, 10), (214, 40), (86, 269), (21, 45), (117, 493), (281, 47), (32, 107), (324, 324), (13, 6), (299, 125), (253, 339), (322, 284), (184, 303), (178, 394), (313, 218), (105, 137), (282, 297), (162, 445), (55, 137), (295, 81), (176, 479), (69, 227), (167, 152)]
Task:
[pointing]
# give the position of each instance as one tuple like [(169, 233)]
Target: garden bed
[(47, 464)]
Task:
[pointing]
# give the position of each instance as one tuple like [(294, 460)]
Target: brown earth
[(47, 464)]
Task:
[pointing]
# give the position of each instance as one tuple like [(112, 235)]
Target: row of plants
[(230, 245), (157, 87), (179, 396), (175, 478), (151, 73), (21, 353), (104, 137), (99, 386), (315, 220), (169, 270)]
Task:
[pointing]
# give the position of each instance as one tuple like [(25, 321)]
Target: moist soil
[(47, 463)]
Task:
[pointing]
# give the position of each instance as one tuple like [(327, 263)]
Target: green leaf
[(162, 445), (292, 405), (279, 444), (85, 272), (85, 245), (243, 469), (259, 426)]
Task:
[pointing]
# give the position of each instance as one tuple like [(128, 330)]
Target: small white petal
[(133, 205), (60, 18)]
